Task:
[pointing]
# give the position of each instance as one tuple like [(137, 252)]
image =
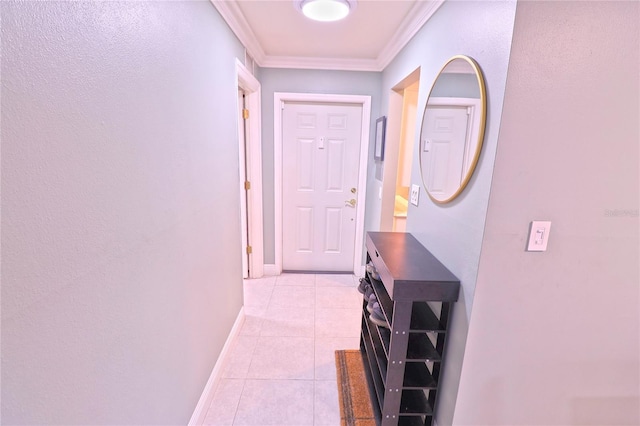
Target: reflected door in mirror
[(452, 129), (444, 148)]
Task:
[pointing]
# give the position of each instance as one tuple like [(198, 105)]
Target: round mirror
[(452, 129)]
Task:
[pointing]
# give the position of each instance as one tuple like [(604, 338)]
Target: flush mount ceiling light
[(325, 10)]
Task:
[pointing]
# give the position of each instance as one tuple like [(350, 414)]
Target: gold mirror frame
[(423, 150)]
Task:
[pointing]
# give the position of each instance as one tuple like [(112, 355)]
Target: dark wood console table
[(403, 357)]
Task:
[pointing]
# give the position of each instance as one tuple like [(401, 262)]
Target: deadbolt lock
[(353, 190)]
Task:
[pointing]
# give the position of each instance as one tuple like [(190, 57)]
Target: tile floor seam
[(244, 381), (267, 379), (273, 286), (235, 412), (315, 300)]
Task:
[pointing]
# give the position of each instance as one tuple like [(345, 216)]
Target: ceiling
[(277, 35)]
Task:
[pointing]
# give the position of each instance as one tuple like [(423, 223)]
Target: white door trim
[(395, 127), (247, 82), (391, 150), (241, 167), (280, 98)]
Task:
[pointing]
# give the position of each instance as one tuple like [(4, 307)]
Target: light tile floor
[(281, 367)]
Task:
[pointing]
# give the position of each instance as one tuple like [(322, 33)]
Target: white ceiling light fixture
[(325, 10)]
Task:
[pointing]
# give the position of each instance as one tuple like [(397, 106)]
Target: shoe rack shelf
[(403, 355)]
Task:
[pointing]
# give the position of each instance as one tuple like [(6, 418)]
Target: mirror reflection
[(452, 129)]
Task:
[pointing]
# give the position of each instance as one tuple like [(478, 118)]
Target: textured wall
[(553, 336), (453, 232), (121, 273)]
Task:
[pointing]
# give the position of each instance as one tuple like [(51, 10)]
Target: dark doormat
[(353, 393)]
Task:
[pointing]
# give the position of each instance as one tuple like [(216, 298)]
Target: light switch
[(538, 235), (415, 193)]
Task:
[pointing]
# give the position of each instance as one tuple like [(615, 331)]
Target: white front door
[(320, 160)]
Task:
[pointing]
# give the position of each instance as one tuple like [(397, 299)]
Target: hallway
[(280, 369)]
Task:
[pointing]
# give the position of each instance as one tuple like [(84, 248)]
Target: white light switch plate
[(415, 193), (539, 235)]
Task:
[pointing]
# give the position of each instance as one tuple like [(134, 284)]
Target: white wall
[(453, 232), (553, 337), (121, 272)]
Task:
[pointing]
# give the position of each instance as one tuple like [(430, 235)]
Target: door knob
[(351, 202)]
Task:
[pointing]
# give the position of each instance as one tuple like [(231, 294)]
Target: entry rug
[(355, 405)]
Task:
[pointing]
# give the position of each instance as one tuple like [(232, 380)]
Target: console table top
[(409, 268)]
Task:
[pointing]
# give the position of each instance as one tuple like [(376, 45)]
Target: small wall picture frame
[(381, 127)]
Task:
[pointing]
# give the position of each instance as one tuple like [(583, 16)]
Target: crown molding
[(416, 18), (419, 14), (315, 63), (231, 13)]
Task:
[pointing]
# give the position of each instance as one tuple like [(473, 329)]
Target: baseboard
[(200, 412), (270, 270)]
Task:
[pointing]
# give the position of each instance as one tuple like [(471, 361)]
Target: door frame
[(279, 99), (253, 134), (243, 177), (395, 123)]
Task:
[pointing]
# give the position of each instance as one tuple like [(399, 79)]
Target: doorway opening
[(399, 150)]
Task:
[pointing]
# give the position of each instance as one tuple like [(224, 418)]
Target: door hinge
[(245, 113), (247, 185), (249, 250)]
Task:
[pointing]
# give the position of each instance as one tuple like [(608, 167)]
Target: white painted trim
[(416, 18), (270, 270), (278, 105), (200, 412), (420, 13), (251, 86), (231, 13), (279, 99), (464, 102), (246, 80), (243, 178), (391, 150), (396, 122), (310, 63), (360, 271)]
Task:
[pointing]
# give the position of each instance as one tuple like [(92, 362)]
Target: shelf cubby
[(418, 376), (420, 348), (403, 357)]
